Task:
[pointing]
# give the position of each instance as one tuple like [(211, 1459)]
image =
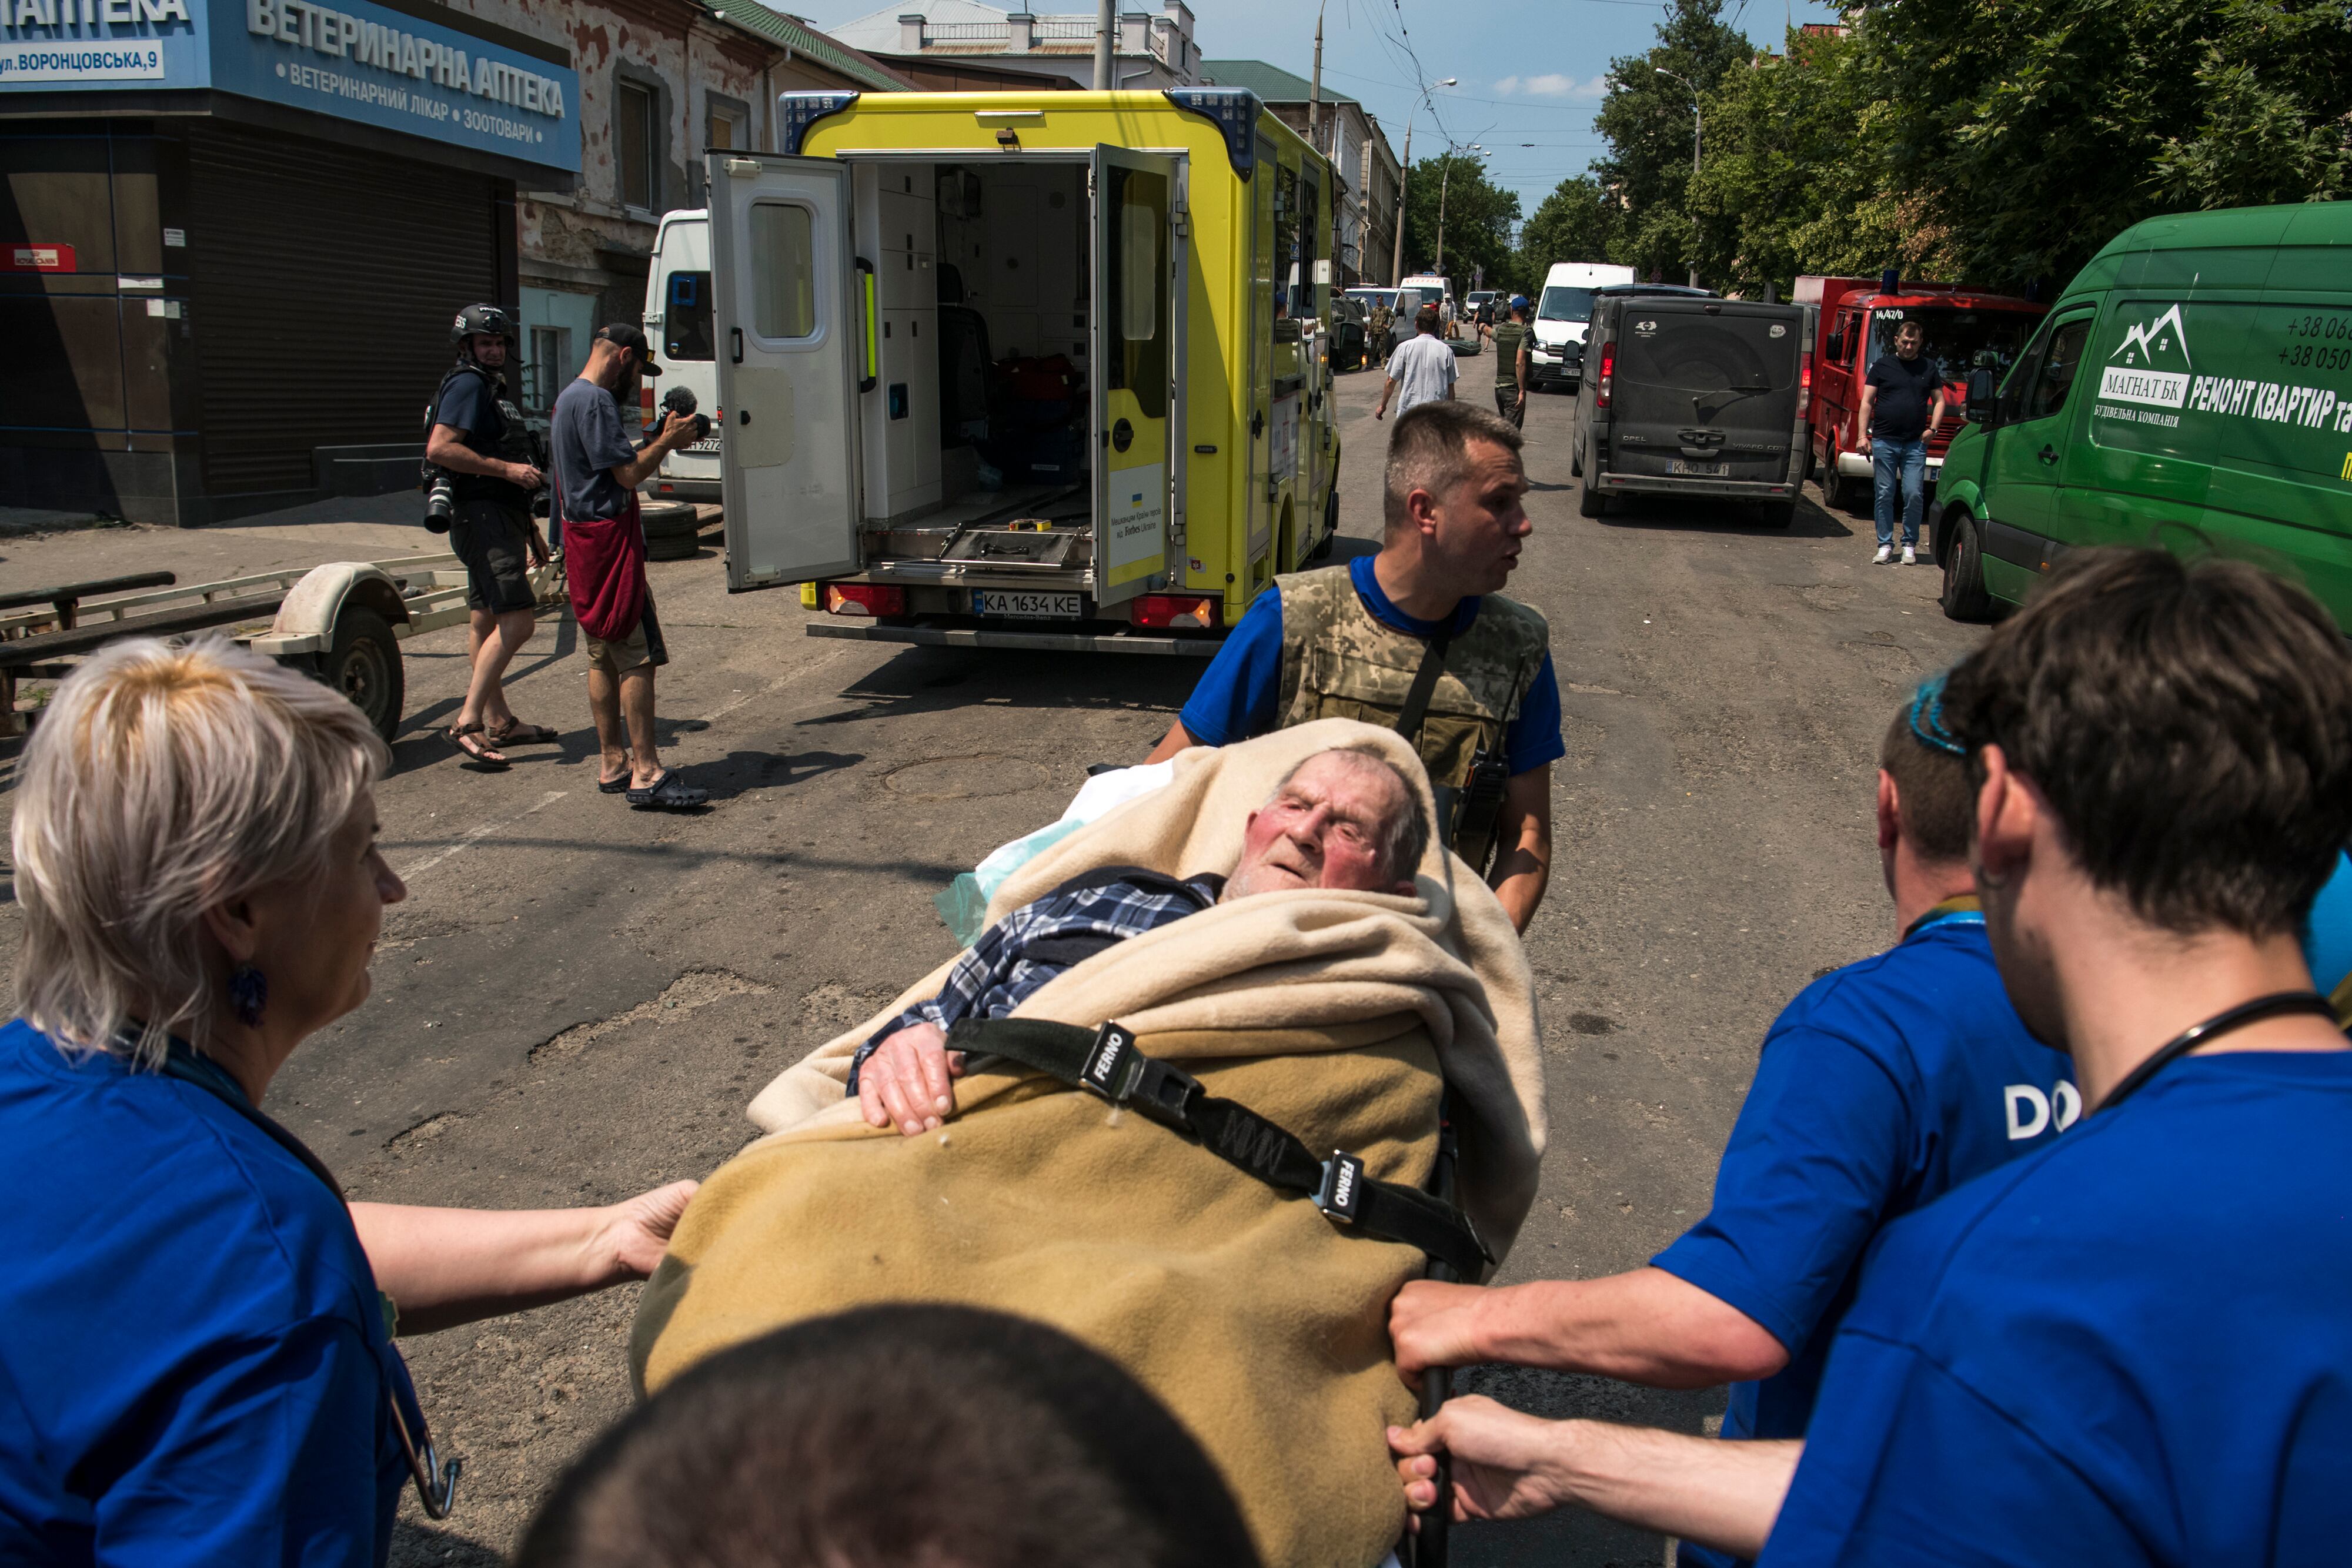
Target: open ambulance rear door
[(786, 316), (1137, 365)]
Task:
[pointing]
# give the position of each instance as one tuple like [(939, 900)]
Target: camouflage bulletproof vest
[(1377, 330), (1338, 661)]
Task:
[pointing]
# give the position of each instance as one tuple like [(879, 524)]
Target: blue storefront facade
[(232, 233)]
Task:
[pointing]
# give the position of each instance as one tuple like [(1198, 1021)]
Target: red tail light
[(864, 598), (1804, 387), (1180, 612), (1608, 369)]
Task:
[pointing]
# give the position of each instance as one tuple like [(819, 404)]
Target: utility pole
[(1697, 130), (1105, 21), (1314, 88), (1396, 266)]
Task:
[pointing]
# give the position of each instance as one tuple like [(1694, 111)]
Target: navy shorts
[(494, 543)]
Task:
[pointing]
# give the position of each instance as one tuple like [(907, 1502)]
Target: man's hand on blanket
[(905, 1084)]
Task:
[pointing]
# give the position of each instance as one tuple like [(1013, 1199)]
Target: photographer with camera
[(491, 465), (597, 473)]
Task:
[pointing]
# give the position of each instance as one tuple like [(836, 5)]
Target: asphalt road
[(577, 1000)]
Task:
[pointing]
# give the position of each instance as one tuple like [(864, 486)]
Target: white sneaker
[(1910, 556), (1886, 553)]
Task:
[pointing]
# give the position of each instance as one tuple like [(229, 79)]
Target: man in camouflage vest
[(1347, 641), (1376, 333)]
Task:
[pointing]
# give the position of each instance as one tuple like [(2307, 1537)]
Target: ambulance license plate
[(1698, 470), (1025, 606)]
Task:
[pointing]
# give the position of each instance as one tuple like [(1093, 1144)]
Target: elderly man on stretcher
[(1274, 979)]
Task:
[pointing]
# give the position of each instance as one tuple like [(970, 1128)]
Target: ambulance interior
[(975, 430)]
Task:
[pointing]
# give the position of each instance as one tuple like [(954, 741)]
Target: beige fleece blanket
[(1258, 1322)]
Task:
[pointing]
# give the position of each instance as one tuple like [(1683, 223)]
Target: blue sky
[(1529, 70)]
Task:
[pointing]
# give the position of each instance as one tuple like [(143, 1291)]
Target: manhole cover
[(958, 777)]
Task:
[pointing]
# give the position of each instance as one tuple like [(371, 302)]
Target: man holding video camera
[(479, 444), (597, 473)]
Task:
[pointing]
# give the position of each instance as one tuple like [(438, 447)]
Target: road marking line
[(477, 834)]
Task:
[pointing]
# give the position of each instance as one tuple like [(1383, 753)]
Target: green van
[(2192, 388)]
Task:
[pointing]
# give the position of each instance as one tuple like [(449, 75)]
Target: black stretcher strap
[(1105, 1061)]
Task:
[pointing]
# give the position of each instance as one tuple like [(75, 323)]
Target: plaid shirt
[(1020, 953)]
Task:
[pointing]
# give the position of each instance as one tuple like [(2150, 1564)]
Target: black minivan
[(1688, 394)]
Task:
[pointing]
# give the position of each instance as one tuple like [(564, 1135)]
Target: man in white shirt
[(1422, 369)]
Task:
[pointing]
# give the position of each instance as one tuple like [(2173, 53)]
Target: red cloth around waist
[(604, 565)]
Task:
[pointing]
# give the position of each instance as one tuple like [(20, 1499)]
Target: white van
[(678, 326), (1562, 312), (1435, 290)]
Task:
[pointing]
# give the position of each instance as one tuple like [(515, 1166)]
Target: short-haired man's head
[(1426, 320), (1345, 819), (1430, 449), (1933, 802), (893, 1436), (2189, 725)]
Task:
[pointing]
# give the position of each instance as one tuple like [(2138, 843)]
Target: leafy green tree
[(1795, 176), (1646, 117), (1479, 218), (2037, 130), (1577, 222)]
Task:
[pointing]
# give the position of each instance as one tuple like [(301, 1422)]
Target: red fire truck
[(1858, 318)]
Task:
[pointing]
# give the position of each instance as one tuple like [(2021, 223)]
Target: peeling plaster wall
[(586, 240)]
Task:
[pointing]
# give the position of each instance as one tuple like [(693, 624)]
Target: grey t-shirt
[(1423, 370), (585, 432)]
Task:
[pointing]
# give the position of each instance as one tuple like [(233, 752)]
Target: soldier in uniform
[(1511, 341), (1419, 638), (478, 436), (1376, 331)]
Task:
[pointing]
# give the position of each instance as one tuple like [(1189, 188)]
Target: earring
[(249, 993)]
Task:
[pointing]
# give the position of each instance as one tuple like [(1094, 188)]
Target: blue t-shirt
[(1236, 699), (1881, 1087), (586, 436), (2133, 1347), (193, 1366)]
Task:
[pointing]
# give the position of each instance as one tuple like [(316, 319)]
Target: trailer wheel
[(363, 663)]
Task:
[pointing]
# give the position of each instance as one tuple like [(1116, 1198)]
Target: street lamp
[(1443, 176), (1698, 128), (1396, 262)]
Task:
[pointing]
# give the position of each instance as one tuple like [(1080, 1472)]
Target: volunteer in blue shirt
[(196, 1362), (2130, 1347), (1881, 1087), (1426, 613)]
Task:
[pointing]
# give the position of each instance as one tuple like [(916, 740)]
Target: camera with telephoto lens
[(440, 501), (680, 399)]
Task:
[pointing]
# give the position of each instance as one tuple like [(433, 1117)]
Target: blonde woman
[(196, 1358)]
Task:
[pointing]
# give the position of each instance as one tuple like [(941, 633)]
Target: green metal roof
[(753, 18), (1271, 83)]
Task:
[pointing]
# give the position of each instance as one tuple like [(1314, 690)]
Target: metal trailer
[(342, 624)]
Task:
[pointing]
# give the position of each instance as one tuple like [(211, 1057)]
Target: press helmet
[(483, 321)]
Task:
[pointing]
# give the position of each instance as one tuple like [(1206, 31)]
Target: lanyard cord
[(2213, 1028), (1964, 904)]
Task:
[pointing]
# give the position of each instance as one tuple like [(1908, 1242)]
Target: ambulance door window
[(1138, 288), (783, 271)]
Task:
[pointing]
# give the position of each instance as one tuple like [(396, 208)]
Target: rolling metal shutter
[(324, 281)]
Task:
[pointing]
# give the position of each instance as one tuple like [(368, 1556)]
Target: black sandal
[(669, 792), (616, 786)]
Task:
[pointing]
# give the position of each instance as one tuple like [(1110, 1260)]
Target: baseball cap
[(623, 336), (1518, 301)]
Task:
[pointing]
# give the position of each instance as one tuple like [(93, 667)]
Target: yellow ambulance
[(1033, 370)]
